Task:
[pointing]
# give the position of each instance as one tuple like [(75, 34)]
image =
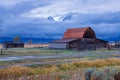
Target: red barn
[(78, 38)]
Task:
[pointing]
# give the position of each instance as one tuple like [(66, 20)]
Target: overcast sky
[(50, 18)]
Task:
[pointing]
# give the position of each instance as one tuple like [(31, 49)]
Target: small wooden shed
[(13, 44), (78, 39)]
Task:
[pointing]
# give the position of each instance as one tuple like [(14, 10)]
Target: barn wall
[(74, 45), (87, 47), (19, 46), (88, 44), (79, 44), (101, 45), (82, 44), (58, 45)]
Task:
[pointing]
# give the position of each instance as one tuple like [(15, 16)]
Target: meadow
[(70, 65)]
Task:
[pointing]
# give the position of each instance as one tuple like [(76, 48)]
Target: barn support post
[(67, 46), (78, 46), (1, 51), (95, 44), (108, 46)]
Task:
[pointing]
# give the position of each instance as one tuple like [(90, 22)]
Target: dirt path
[(40, 57), (58, 59)]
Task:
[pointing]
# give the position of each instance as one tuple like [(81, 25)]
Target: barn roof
[(64, 40), (102, 40), (75, 32)]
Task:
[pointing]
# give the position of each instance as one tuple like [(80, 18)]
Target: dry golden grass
[(17, 71), (97, 63)]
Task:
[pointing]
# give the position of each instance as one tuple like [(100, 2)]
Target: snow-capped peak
[(50, 18)]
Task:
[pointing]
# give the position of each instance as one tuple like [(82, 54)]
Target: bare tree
[(16, 38), (29, 41)]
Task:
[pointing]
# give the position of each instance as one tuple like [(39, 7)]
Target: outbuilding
[(13, 44)]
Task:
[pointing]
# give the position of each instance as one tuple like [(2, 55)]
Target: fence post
[(1, 51)]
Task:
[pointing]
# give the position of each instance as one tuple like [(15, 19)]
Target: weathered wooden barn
[(78, 39), (13, 44)]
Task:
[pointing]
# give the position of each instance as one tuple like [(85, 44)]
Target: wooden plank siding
[(58, 45)]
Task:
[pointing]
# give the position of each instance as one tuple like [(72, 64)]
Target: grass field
[(45, 51), (87, 65)]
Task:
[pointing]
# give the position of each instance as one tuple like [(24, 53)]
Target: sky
[(51, 18)]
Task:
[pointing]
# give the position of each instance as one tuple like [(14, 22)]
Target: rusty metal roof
[(75, 32), (64, 40)]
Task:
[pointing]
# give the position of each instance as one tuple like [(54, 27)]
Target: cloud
[(55, 8), (60, 7), (17, 7), (9, 3)]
